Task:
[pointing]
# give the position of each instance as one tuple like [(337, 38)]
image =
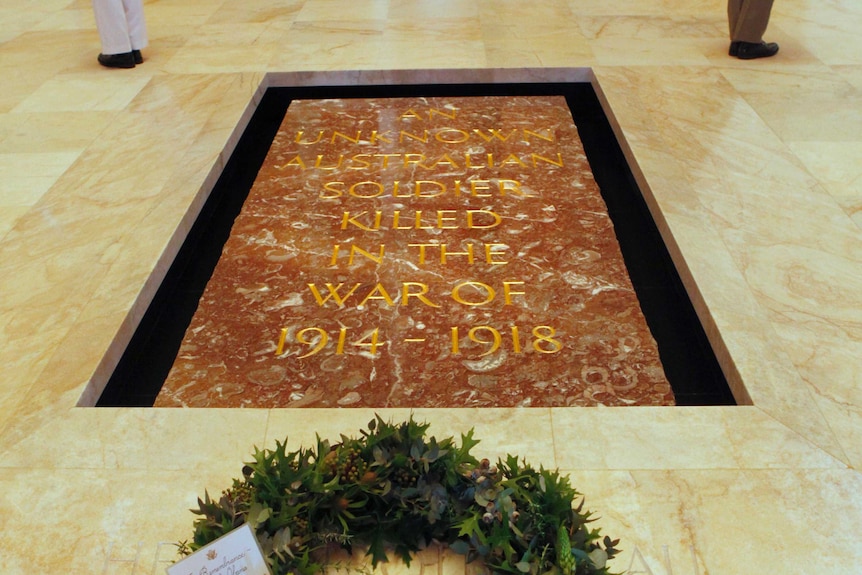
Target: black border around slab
[(686, 354)]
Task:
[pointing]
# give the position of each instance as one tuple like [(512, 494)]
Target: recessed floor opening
[(686, 356)]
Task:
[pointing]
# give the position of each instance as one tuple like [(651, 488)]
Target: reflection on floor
[(751, 169)]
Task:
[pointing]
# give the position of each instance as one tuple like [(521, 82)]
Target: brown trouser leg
[(748, 19)]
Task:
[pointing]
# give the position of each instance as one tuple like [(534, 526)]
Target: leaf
[(258, 514), (294, 499), (377, 549), (460, 547), (469, 527), (281, 542), (480, 499), (598, 557), (580, 554)]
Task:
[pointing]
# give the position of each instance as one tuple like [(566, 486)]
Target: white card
[(235, 553)]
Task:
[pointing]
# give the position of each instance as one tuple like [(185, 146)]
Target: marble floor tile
[(750, 168), (684, 521), (26, 177), (836, 166)]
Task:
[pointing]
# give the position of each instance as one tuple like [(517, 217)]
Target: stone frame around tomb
[(372, 78)]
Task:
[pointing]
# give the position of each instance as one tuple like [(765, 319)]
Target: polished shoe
[(752, 50), (136, 54), (126, 60)]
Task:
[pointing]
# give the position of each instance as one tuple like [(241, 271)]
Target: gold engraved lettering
[(434, 111), (395, 194), (315, 343), (444, 253), (279, 349), (337, 134), (548, 137), (493, 344), (471, 223), (332, 188), (442, 217), (414, 159), (468, 161), (469, 293), (318, 164), (367, 161), (508, 292), (516, 339), (423, 138), (514, 160), (358, 162), (422, 250), (377, 189), (396, 216), (413, 115), (558, 163), (299, 140), (386, 158), (472, 219), (494, 134), (379, 292), (545, 342), (457, 188), (513, 186), (357, 250), (457, 136), (410, 114), (490, 253), (409, 290), (484, 290), (419, 225), (477, 185), (444, 160), (296, 161), (348, 219), (334, 294), (384, 137), (406, 294), (441, 189)]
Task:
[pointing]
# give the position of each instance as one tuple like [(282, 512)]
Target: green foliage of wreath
[(396, 490)]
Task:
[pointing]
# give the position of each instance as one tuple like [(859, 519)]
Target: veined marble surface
[(420, 252), (751, 169)]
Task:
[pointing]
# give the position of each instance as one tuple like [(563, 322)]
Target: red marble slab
[(423, 252)]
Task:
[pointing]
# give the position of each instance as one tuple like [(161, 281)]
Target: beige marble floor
[(751, 168)]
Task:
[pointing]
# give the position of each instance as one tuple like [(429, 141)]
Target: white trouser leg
[(121, 25), (113, 29), (137, 25)]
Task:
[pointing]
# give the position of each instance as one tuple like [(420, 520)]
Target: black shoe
[(752, 50), (126, 60), (136, 54)]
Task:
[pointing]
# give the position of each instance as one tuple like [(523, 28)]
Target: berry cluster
[(346, 463), (299, 527), (405, 477)]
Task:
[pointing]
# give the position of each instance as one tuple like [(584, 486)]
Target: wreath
[(394, 490)]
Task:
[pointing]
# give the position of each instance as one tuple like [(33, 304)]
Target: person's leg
[(136, 24), (112, 26), (733, 9), (750, 20)]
